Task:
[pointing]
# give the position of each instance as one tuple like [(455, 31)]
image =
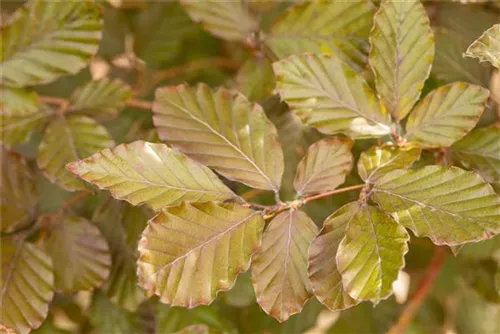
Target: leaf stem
[(252, 193), (332, 192)]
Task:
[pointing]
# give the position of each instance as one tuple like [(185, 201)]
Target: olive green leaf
[(487, 47), (371, 254), (79, 252), (190, 252), (447, 114), (221, 130), (66, 140), (279, 270), (325, 166), (153, 174), (47, 39), (337, 27), (26, 285), (328, 95), (195, 329), (18, 198), (325, 278), (229, 20), (380, 160), (255, 78), (479, 150), (449, 205), (401, 55)]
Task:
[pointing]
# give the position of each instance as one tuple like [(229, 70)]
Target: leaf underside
[(487, 47)]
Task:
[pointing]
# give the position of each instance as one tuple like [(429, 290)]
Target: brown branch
[(424, 288), (332, 192), (140, 104), (64, 103), (196, 65)]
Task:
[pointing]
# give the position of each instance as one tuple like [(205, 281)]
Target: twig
[(64, 103), (332, 192), (424, 288), (195, 66), (141, 104)]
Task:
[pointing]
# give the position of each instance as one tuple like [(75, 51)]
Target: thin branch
[(196, 65), (64, 103), (424, 288), (140, 104), (58, 101), (332, 192)]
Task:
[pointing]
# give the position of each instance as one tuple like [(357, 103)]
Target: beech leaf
[(487, 47)]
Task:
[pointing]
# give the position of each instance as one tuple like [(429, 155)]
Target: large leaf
[(446, 114), (221, 130), (26, 285), (487, 47), (341, 27), (328, 95), (47, 39), (402, 53), (449, 205), (153, 174), (18, 198), (380, 160), (325, 166), (79, 252), (190, 252), (325, 278), (371, 254), (66, 140), (279, 270)]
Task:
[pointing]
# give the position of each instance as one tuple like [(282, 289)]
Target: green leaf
[(328, 95), (487, 47), (66, 140), (153, 174), (279, 270), (26, 285), (474, 315), (79, 252), (18, 198), (325, 166), (341, 28), (449, 205), (480, 276), (190, 252), (446, 114), (48, 39), (380, 160), (221, 130), (255, 78), (371, 254), (401, 55), (228, 20), (195, 329)]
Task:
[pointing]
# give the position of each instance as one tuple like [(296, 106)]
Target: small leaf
[(221, 130), (446, 114), (279, 270), (340, 27), (225, 19), (46, 39), (190, 252), (449, 205), (153, 174), (325, 278), (80, 254), (18, 198), (26, 285), (325, 166), (371, 254), (69, 139), (380, 160), (401, 54), (328, 95), (487, 47), (255, 78)]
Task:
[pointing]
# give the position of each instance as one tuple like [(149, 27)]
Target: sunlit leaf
[(66, 140), (449, 205), (190, 252), (446, 114), (47, 39), (279, 270), (18, 198), (255, 78), (328, 95), (371, 254), (402, 53), (325, 166), (79, 252), (380, 160), (338, 27), (221, 130), (487, 47), (26, 285), (153, 174)]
